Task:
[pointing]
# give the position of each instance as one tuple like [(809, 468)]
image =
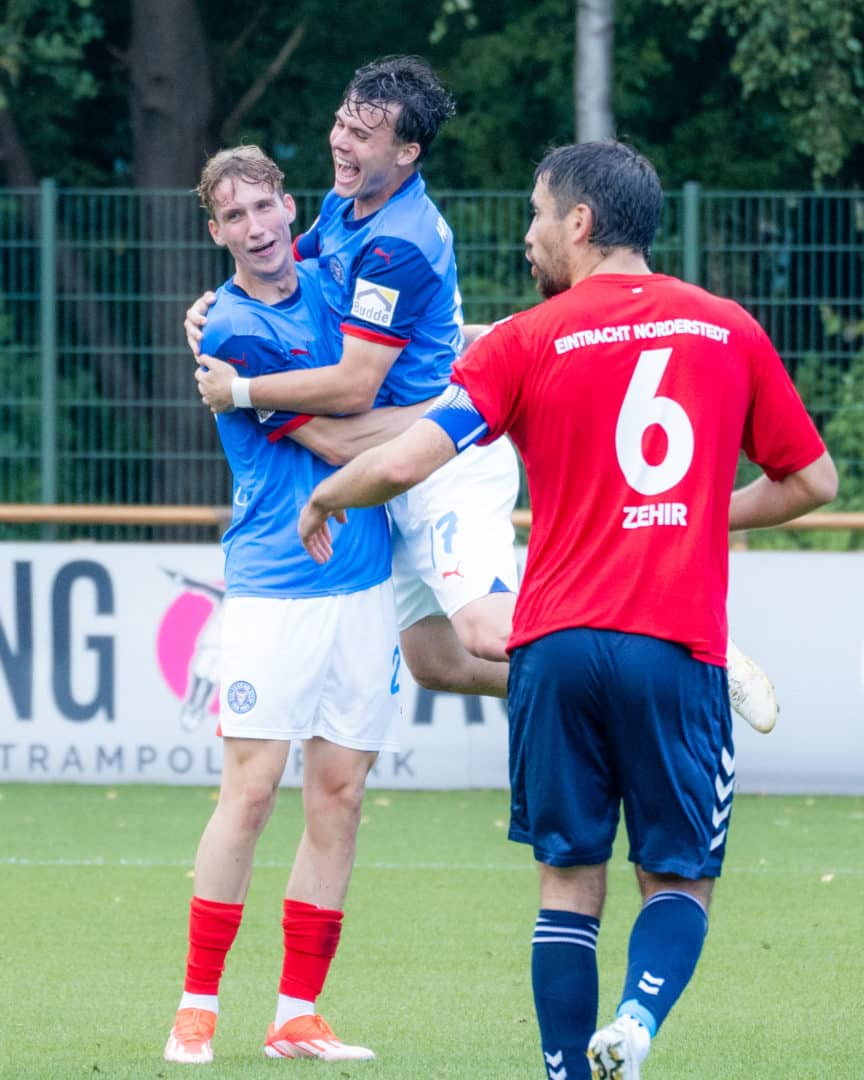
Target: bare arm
[(471, 331), (768, 502), (339, 439), (373, 478), (347, 387)]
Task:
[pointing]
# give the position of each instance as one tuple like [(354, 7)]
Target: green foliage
[(45, 41), (808, 55), (733, 105), (834, 393), (513, 79)]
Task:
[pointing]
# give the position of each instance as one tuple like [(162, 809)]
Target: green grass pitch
[(433, 971)]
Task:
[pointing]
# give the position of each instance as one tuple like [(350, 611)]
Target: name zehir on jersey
[(609, 335), (666, 513)]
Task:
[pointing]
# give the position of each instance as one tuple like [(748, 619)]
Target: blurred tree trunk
[(170, 106), (14, 159), (592, 75), (171, 93)]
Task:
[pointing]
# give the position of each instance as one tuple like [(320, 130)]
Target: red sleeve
[(488, 369), (779, 434)]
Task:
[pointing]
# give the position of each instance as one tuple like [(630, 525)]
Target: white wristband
[(240, 393)]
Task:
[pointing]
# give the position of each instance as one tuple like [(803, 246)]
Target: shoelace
[(193, 1024)]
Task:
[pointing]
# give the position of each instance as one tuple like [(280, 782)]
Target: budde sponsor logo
[(374, 303)]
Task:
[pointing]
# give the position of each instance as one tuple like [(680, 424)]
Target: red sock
[(212, 929), (311, 936)]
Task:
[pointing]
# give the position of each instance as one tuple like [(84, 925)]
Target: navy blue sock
[(665, 944), (564, 978)]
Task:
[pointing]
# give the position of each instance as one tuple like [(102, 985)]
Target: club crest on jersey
[(241, 696), (374, 303), (336, 269)]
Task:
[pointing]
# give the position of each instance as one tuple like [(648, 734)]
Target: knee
[(251, 805), (484, 625), (483, 638), (430, 674), (333, 811)]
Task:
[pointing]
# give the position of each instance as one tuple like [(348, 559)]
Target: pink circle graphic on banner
[(177, 640)]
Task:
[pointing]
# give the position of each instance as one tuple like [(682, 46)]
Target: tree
[(42, 45), (808, 54), (171, 95)]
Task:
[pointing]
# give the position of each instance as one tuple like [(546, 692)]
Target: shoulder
[(236, 317), (411, 215)]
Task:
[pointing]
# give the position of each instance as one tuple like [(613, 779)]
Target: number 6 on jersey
[(641, 409)]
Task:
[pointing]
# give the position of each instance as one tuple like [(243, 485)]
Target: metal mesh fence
[(98, 404)]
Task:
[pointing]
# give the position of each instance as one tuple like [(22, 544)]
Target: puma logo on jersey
[(385, 255), (638, 517)]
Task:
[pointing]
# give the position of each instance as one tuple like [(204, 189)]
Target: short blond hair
[(248, 163)]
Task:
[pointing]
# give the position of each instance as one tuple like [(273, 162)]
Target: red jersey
[(629, 398)]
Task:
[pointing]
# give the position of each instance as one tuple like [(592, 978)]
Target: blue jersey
[(273, 480), (390, 278)]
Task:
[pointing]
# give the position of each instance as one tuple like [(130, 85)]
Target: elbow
[(358, 399), (334, 455), (825, 483), (396, 476), (828, 490)]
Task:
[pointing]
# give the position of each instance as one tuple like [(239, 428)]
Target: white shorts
[(326, 666), (453, 536)]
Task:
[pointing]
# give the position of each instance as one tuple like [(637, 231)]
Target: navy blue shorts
[(600, 720)]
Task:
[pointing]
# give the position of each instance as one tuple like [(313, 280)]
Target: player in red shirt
[(629, 395)]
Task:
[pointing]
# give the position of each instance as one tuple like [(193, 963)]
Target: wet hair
[(409, 82), (248, 163), (619, 184)]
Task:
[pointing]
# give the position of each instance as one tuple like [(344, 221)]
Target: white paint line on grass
[(97, 862)]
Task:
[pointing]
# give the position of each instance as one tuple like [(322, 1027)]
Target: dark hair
[(237, 163), (619, 184), (407, 81)]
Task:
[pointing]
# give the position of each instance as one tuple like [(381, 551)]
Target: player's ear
[(215, 232), (408, 153), (290, 206), (580, 221)]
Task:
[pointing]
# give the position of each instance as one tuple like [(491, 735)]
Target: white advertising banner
[(108, 674)]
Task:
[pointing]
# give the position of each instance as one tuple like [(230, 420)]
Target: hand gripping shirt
[(273, 480), (390, 278), (629, 398)]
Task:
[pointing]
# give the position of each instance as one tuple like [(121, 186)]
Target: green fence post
[(48, 338), (690, 228)]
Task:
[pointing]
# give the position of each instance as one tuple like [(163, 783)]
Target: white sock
[(641, 1036), (199, 1001), (288, 1008)]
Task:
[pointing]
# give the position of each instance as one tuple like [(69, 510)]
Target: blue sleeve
[(458, 416), (306, 244), (393, 287), (252, 356)]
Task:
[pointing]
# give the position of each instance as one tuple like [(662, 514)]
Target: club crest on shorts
[(241, 696)]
